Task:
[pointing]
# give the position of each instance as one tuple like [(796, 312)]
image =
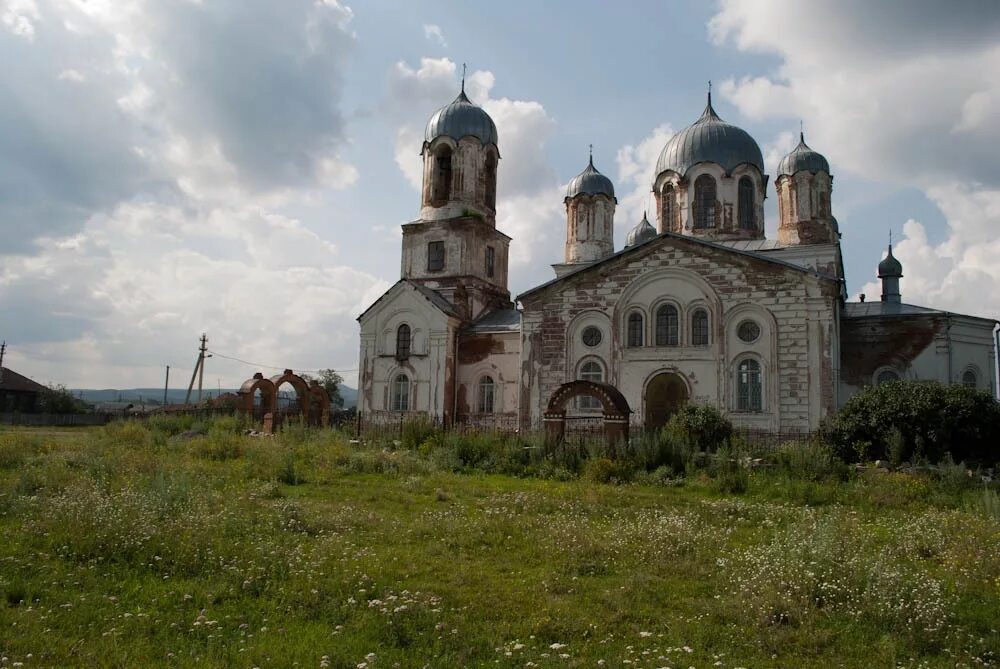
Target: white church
[(700, 308)]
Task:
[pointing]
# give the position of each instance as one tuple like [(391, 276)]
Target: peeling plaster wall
[(497, 355), (431, 353), (797, 348), (932, 347)]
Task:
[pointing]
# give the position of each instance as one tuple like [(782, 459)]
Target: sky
[(242, 167)]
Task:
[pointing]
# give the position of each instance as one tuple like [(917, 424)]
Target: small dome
[(590, 182), (460, 119), (709, 139), (890, 267), (643, 232), (802, 158)]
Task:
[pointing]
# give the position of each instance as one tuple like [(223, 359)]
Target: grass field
[(132, 546)]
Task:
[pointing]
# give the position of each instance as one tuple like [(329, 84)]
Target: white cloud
[(903, 93), (636, 164), (19, 17), (433, 33)]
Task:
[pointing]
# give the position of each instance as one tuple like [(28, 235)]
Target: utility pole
[(3, 349), (199, 370), (166, 384)]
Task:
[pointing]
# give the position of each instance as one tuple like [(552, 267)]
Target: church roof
[(13, 382), (432, 296), (890, 267), (802, 158), (684, 238), (642, 232), (877, 309), (498, 320), (590, 182), (460, 119), (709, 139)]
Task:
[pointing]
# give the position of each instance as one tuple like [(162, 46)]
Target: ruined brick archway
[(615, 407), (268, 396), (302, 393), (320, 404)]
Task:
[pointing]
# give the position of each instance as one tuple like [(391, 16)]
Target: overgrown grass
[(174, 543)]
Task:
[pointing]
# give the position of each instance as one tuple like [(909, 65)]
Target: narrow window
[(746, 204), (442, 175), (401, 393), (634, 335), (486, 395), (403, 342), (969, 379), (491, 181), (748, 386), (704, 202), (667, 207), (667, 326), (699, 328), (435, 256), (590, 371), (490, 261)]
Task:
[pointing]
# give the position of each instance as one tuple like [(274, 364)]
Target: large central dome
[(712, 140), (460, 119)]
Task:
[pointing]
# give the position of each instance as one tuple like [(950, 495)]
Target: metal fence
[(56, 419)]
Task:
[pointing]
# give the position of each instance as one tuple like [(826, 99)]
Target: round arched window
[(591, 335), (969, 379), (885, 376), (748, 331)]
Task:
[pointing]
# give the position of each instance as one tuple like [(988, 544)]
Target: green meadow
[(157, 545)]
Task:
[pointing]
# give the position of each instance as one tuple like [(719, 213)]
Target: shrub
[(702, 426), (415, 431), (809, 461), (905, 420)]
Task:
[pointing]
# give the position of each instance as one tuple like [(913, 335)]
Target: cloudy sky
[(241, 167)]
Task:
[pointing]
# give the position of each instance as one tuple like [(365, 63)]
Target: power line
[(262, 366)]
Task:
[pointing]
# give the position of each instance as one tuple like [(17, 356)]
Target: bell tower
[(454, 248), (804, 185)]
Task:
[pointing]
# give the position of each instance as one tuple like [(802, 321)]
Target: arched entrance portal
[(665, 394), (616, 410)]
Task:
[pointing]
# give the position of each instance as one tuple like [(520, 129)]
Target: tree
[(56, 399), (331, 380)]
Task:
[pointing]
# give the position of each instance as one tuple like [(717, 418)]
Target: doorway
[(665, 394)]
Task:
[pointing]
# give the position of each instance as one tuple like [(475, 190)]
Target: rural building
[(700, 308), (18, 393)]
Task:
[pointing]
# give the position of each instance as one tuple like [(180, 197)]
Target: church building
[(699, 308)]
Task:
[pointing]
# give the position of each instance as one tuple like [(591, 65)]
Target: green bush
[(702, 426), (908, 420)]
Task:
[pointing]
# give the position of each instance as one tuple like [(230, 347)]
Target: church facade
[(700, 308)]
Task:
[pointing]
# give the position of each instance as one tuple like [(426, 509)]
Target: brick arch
[(301, 390), (268, 392), (321, 403), (614, 404)]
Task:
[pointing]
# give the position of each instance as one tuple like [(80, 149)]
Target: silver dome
[(643, 232), (709, 139), (590, 182), (802, 158), (461, 119), (890, 267)]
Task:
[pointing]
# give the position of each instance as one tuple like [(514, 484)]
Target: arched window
[(748, 386), (667, 207), (667, 326), (490, 172), (442, 174), (487, 395), (704, 202), (699, 328), (403, 341), (401, 393), (969, 379), (590, 371), (746, 205), (885, 376), (634, 337)]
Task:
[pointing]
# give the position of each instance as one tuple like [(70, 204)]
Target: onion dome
[(460, 119), (802, 158), (640, 233), (890, 267), (590, 182), (711, 140)]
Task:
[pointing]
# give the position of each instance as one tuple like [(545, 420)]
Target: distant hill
[(153, 396)]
